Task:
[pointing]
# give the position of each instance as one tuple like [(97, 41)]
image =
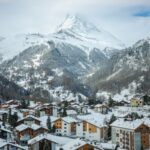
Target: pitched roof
[(74, 145), (24, 126), (30, 116), (50, 137), (96, 119), (132, 125)]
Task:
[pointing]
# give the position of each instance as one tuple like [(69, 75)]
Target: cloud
[(126, 19)]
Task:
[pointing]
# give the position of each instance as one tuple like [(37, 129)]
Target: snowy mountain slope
[(9, 90), (128, 74), (73, 30), (12, 46), (76, 52)]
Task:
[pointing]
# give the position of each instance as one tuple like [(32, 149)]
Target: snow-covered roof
[(100, 105), (69, 119), (74, 145), (50, 137), (24, 126), (2, 144), (121, 123), (4, 129), (109, 146), (44, 120), (71, 112), (35, 118), (96, 119)]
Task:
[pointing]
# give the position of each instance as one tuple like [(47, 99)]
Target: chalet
[(29, 120), (137, 101), (132, 135), (92, 127), (48, 110), (26, 132), (65, 126), (53, 141), (27, 112), (101, 108)]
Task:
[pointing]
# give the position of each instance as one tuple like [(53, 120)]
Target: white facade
[(99, 135)]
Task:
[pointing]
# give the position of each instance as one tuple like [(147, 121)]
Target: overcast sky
[(128, 20)]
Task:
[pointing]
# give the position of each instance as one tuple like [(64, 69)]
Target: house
[(132, 135), (65, 126), (101, 108), (92, 127), (71, 112), (26, 132), (29, 120), (48, 110), (27, 112), (78, 144), (5, 133), (53, 141), (11, 146), (137, 101)]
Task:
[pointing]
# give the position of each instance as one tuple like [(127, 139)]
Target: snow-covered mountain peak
[(141, 42), (77, 31), (76, 23)]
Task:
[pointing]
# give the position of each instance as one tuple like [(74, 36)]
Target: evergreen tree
[(64, 114), (4, 119), (9, 116), (49, 124), (53, 129), (23, 104), (46, 146), (110, 102), (146, 99), (112, 119), (14, 119)]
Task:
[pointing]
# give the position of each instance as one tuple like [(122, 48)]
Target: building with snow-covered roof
[(48, 110), (66, 126), (25, 132), (133, 134), (78, 144), (29, 120), (52, 140), (102, 108), (137, 101), (92, 127)]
